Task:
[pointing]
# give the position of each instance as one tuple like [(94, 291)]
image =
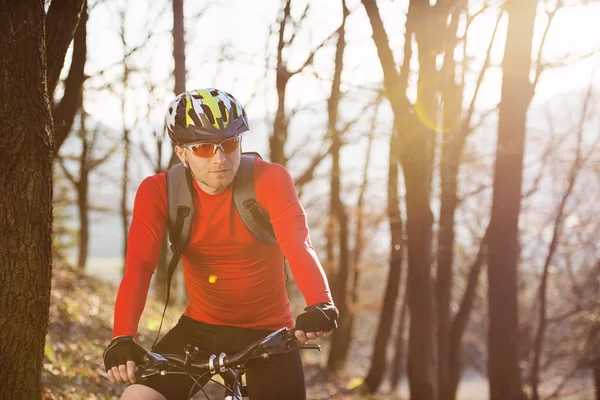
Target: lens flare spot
[(212, 278)]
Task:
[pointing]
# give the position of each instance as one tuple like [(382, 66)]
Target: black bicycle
[(230, 368)]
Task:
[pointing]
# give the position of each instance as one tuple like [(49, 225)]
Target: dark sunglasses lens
[(203, 150), (230, 145)]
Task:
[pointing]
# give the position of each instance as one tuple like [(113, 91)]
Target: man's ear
[(180, 151)]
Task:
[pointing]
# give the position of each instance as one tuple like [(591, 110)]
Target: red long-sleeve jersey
[(232, 277)]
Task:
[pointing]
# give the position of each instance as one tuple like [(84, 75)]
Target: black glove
[(317, 318), (122, 349)]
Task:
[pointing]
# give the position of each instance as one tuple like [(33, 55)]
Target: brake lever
[(145, 375), (308, 347)]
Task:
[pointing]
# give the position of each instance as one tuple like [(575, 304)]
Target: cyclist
[(235, 282)]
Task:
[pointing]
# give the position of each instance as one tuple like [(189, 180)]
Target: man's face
[(216, 172)]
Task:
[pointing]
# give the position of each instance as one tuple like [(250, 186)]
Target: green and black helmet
[(205, 114)]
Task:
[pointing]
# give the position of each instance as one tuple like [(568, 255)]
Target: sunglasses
[(207, 150)]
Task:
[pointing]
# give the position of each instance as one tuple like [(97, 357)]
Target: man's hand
[(303, 337), (318, 320), (120, 358), (122, 373)]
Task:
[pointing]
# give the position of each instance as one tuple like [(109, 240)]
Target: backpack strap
[(254, 217), (181, 206), (181, 213)]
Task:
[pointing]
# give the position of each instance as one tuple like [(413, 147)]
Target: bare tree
[(378, 360), (126, 141), (86, 161), (180, 70), (416, 143), (455, 132), (502, 244), (399, 353), (283, 76), (340, 342)]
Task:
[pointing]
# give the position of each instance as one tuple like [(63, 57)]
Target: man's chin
[(220, 184)]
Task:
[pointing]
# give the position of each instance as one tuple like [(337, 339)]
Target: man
[(235, 282)]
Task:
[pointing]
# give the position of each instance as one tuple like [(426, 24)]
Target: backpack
[(181, 211)]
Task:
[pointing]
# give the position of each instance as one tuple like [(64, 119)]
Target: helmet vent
[(223, 111), (214, 92), (208, 113)]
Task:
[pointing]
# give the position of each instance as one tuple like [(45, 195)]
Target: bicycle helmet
[(205, 114)]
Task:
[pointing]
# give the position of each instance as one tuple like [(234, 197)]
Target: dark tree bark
[(503, 246), (64, 112), (26, 146), (342, 336)]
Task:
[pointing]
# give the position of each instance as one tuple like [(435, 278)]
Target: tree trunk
[(179, 57), (596, 373), (26, 145), (82, 197), (126, 144), (459, 324), (179, 46), (378, 359), (397, 365), (280, 124), (417, 162), (64, 113), (124, 188), (503, 246), (552, 247), (452, 146), (416, 141), (342, 336), (359, 234)]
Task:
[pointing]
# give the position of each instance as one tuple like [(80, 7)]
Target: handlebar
[(279, 342)]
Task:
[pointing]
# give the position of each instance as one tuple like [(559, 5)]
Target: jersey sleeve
[(143, 250), (275, 192)]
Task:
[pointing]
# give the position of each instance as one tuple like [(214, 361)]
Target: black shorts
[(277, 377)]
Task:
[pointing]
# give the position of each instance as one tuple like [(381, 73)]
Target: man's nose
[(218, 156)]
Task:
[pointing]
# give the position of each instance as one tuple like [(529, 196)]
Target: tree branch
[(70, 177), (61, 22)]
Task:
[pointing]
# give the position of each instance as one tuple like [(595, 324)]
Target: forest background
[(446, 153)]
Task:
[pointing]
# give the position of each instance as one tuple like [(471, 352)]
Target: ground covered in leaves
[(81, 314)]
